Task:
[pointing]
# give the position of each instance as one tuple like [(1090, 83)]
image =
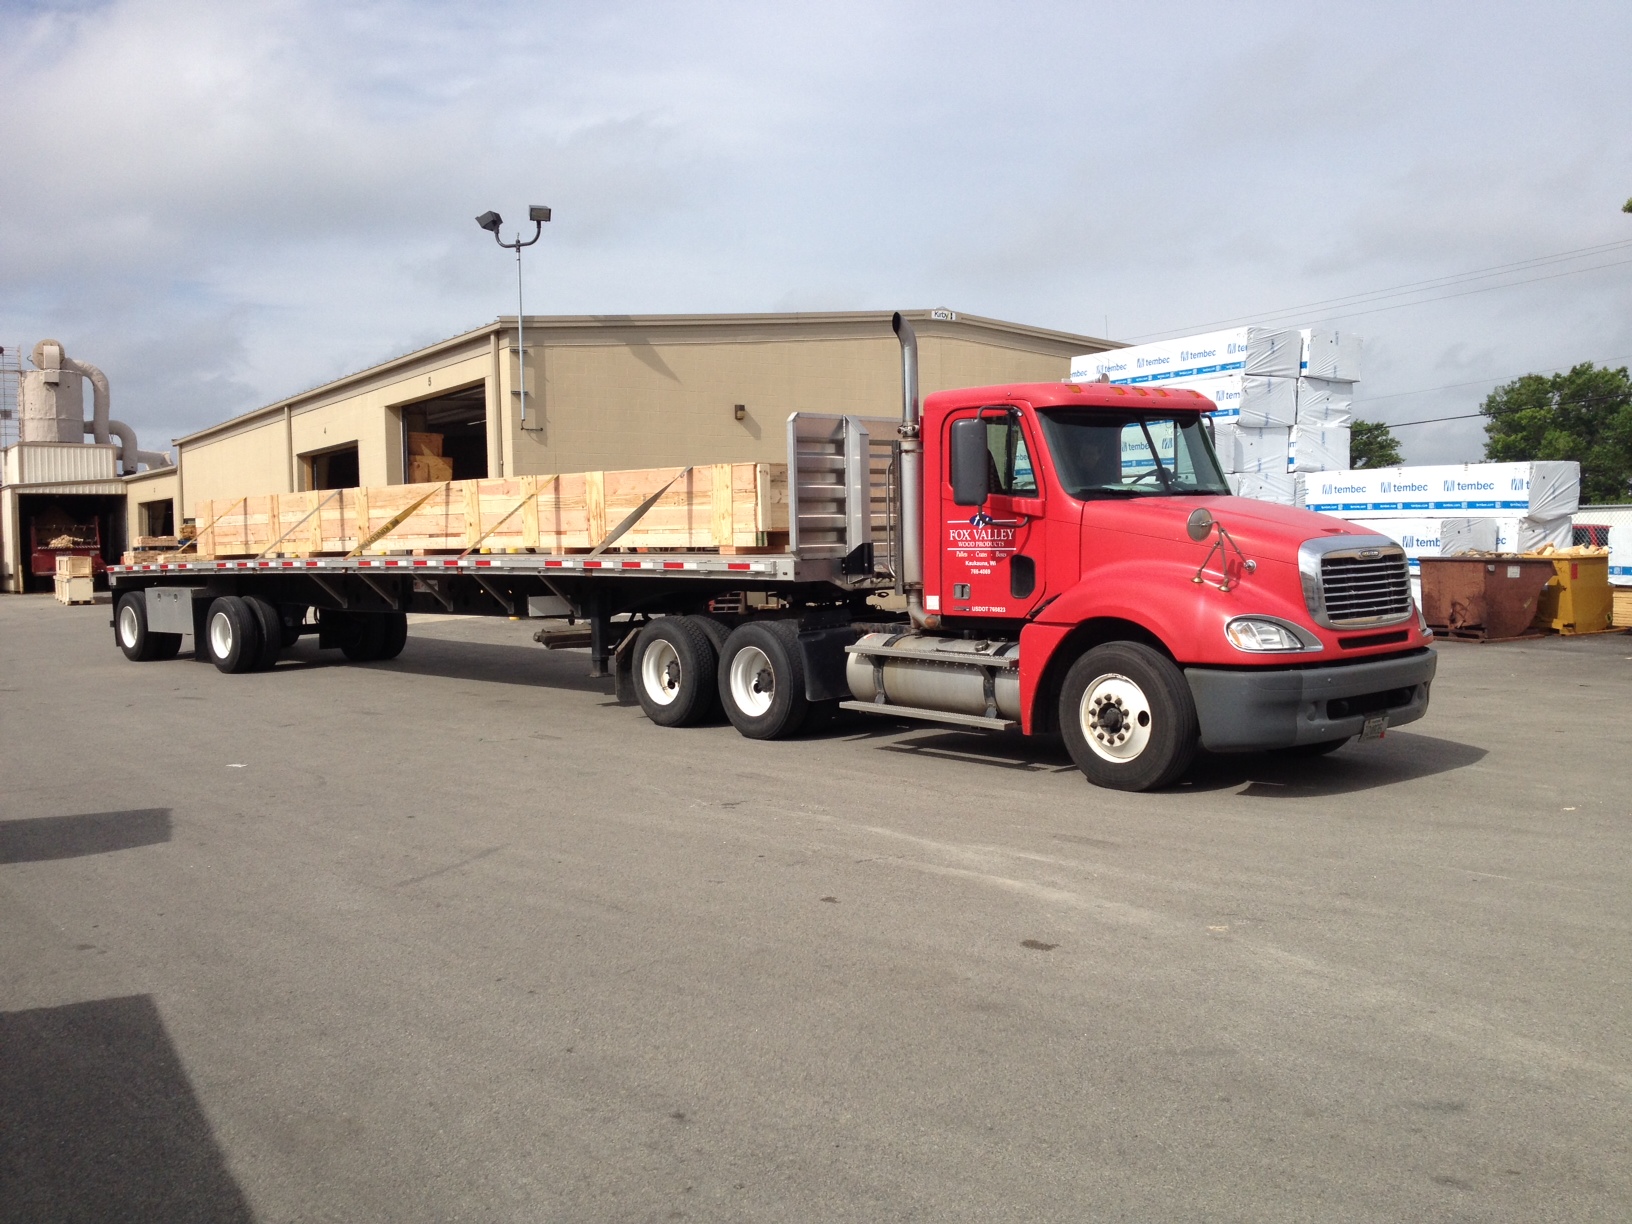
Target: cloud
[(224, 204)]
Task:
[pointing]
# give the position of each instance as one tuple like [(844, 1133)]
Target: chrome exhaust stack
[(911, 515)]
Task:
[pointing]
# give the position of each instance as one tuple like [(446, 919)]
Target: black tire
[(232, 635), (131, 634), (762, 679), (271, 625), (292, 616), (676, 670), (393, 634), (1127, 717), (1315, 750), (362, 636)]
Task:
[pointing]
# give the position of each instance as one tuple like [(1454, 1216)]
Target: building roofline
[(937, 322)]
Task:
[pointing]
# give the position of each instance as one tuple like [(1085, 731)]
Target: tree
[(1373, 445), (1585, 415)]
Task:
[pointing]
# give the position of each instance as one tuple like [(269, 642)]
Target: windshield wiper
[(1161, 468)]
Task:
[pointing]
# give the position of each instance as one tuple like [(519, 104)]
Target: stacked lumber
[(730, 507), (1622, 612)]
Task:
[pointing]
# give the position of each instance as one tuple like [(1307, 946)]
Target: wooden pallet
[(729, 507)]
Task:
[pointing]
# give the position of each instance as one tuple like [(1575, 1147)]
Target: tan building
[(603, 392)]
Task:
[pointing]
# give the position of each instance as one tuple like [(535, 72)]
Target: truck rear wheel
[(1127, 716), (362, 636), (131, 632), (232, 635), (675, 672), (762, 679)]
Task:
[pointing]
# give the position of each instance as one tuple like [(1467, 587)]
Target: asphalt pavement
[(456, 937)]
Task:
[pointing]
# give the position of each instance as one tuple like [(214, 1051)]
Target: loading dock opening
[(451, 428), (336, 468)]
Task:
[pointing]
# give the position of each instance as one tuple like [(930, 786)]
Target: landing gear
[(1128, 718)]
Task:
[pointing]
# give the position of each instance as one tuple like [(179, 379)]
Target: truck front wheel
[(1128, 717), (762, 679)]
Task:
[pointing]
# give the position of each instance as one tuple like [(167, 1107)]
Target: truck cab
[(1086, 571), (1153, 610)]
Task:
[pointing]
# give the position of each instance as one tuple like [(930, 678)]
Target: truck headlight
[(1263, 634)]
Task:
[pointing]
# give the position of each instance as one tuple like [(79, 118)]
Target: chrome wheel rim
[(221, 635), (753, 682), (1115, 718), (660, 672), (129, 628)]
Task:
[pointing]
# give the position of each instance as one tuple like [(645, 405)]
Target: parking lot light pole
[(538, 214)]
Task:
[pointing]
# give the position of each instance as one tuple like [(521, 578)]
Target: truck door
[(993, 556)]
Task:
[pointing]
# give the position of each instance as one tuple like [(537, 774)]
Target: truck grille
[(1362, 590)]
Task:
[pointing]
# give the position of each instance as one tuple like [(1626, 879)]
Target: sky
[(223, 204)]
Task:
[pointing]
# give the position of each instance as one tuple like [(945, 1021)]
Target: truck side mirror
[(971, 463)]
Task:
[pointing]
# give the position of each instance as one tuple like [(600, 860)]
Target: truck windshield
[(1130, 454)]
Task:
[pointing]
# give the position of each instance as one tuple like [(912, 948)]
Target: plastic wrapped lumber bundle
[(1318, 448), (1322, 401), (1252, 451), (1276, 487), (1331, 354), (1458, 536), (1543, 490), (1241, 350), (1620, 556)]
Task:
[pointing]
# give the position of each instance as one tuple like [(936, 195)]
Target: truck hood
[(1262, 529)]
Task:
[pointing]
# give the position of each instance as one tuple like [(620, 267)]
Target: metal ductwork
[(54, 408), (912, 480)]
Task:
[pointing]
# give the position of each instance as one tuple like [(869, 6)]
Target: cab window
[(1010, 470)]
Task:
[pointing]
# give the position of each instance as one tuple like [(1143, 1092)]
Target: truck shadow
[(99, 1122), (1400, 757), (45, 839), (529, 666)]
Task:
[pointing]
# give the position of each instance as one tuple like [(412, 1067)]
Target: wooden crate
[(71, 566), (732, 507), (77, 589)]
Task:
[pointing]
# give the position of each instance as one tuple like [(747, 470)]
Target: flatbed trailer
[(1074, 563)]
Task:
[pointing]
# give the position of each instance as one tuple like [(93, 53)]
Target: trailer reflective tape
[(738, 565), (592, 565), (631, 565), (420, 564), (674, 565), (490, 563)]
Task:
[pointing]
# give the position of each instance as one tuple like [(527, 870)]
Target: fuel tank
[(955, 675)]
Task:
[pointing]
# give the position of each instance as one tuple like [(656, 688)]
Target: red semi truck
[(1069, 555)]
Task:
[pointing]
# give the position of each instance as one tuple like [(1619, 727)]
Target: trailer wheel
[(232, 635), (1127, 716), (762, 679), (362, 637), (271, 626), (131, 632), (675, 669), (393, 635)]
